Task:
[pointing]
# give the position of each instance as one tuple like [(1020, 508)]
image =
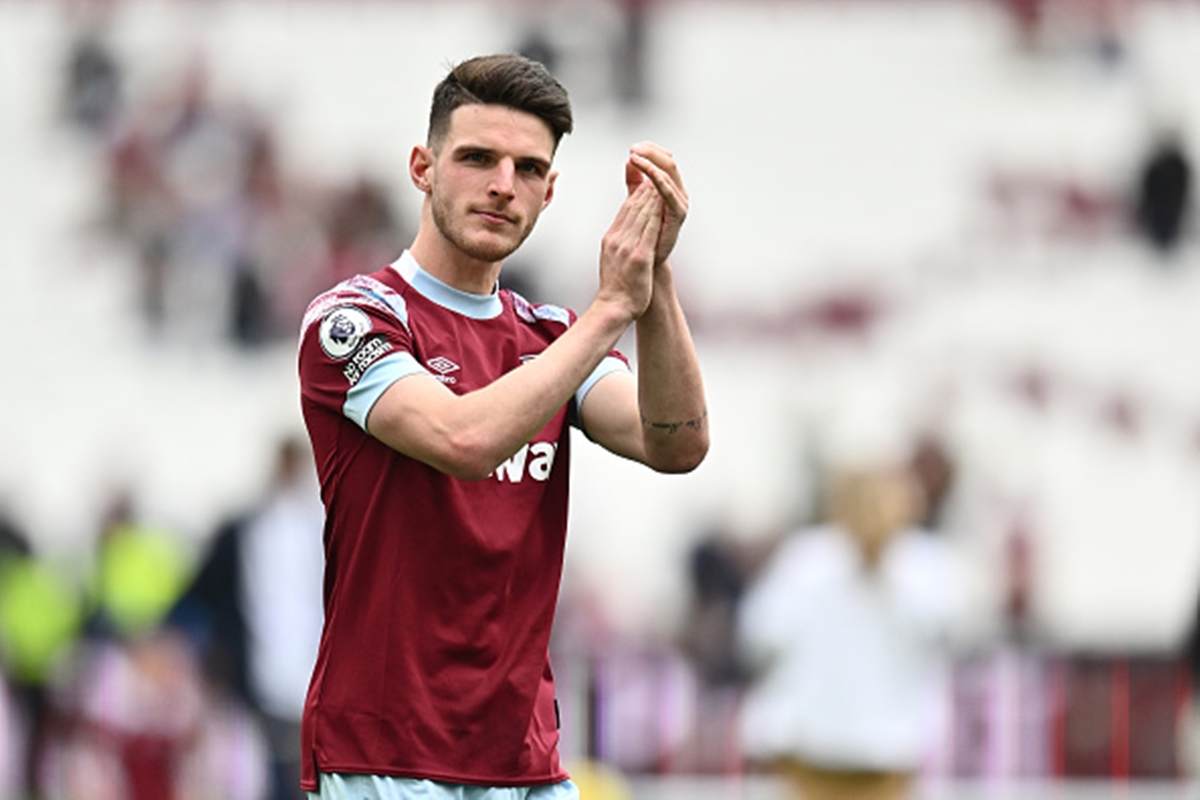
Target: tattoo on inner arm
[(674, 427)]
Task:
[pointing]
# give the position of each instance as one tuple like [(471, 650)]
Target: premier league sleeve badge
[(342, 331)]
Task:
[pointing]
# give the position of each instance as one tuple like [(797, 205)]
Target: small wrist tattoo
[(673, 427)]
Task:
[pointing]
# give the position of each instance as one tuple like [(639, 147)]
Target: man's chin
[(489, 255), (491, 251)]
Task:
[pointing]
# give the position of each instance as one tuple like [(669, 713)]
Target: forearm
[(671, 402), (521, 402), (469, 435)]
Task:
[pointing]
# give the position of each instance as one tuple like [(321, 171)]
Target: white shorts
[(341, 786)]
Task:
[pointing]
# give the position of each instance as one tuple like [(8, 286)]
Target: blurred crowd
[(229, 243), (838, 653), (158, 672)]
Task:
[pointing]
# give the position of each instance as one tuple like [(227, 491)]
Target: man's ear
[(420, 166), (549, 189)]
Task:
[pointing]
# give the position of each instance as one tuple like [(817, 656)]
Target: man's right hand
[(627, 251)]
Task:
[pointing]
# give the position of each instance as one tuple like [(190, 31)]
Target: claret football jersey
[(439, 592)]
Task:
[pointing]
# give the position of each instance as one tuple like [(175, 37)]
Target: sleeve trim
[(379, 376)]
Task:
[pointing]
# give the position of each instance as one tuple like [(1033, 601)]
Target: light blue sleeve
[(379, 376), (609, 365)]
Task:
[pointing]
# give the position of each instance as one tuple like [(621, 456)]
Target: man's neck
[(452, 266)]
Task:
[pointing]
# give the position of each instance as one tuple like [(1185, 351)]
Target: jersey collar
[(476, 306)]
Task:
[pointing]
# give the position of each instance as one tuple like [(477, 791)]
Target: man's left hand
[(657, 164)]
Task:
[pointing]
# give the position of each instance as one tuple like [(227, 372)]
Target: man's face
[(490, 179)]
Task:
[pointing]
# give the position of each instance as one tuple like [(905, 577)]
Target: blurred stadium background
[(924, 211)]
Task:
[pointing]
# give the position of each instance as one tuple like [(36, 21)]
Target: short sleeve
[(613, 362), (354, 344)]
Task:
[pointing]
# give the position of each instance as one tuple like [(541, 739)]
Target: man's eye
[(475, 158), (531, 169)]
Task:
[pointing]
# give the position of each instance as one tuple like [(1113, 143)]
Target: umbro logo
[(443, 367)]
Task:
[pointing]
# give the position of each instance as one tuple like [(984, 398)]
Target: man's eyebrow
[(473, 148)]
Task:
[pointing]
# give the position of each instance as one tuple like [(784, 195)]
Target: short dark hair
[(507, 80)]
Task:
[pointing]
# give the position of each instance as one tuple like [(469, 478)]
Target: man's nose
[(503, 178)]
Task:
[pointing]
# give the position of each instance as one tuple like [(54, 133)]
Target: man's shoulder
[(376, 292)]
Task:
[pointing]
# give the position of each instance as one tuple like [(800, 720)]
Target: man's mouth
[(495, 217)]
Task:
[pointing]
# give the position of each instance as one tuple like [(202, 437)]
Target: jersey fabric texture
[(439, 592)]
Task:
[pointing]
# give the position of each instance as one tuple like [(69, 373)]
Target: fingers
[(629, 249), (657, 154), (646, 205), (634, 234), (658, 164), (659, 168), (673, 196), (635, 213)]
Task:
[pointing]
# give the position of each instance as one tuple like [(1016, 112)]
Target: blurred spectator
[(718, 567), (93, 91), (260, 200), (137, 722), (1164, 192), (255, 606), (40, 615), (717, 581), (364, 229), (847, 622), (139, 207), (140, 572), (934, 471)]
